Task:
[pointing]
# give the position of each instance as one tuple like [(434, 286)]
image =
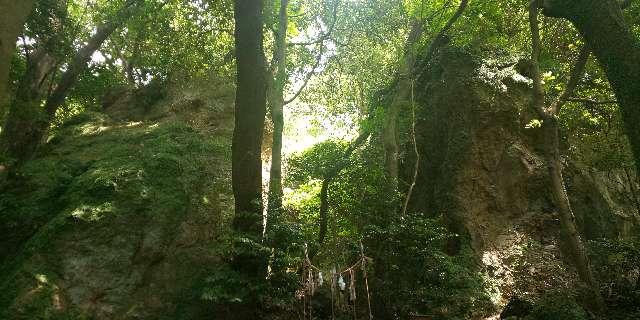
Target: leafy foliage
[(413, 271), (417, 275), (616, 263), (557, 306)]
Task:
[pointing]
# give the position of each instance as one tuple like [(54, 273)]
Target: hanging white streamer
[(341, 283)]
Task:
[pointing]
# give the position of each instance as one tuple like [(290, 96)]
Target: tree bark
[(402, 90), (572, 237), (328, 178), (399, 98), (250, 111), (602, 25), (13, 15), (277, 111), (27, 124), (19, 136), (578, 253)]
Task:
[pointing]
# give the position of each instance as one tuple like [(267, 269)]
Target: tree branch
[(325, 35), (441, 35), (320, 41), (307, 78), (538, 91), (82, 57), (574, 79), (416, 166), (591, 101)]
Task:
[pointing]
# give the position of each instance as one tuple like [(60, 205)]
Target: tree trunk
[(27, 124), (602, 25), (250, 111), (399, 98), (577, 251), (13, 15), (402, 90), (328, 178), (277, 112), (20, 135)]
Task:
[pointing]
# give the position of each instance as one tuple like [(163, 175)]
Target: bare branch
[(416, 166), (307, 77), (538, 91), (438, 38), (577, 72), (591, 101), (325, 35), (320, 42)]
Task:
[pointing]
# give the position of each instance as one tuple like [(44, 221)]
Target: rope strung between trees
[(313, 278)]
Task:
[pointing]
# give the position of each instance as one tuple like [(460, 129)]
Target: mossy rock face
[(116, 219), (483, 171)]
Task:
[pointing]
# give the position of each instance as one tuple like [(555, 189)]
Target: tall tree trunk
[(19, 138), (27, 124), (13, 15), (602, 25), (277, 111), (402, 90), (250, 111), (328, 178), (578, 253), (398, 99)]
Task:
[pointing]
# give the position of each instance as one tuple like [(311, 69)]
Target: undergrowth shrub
[(411, 271), (557, 305), (617, 266), (415, 275)]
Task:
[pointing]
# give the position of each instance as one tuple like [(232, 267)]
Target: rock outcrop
[(123, 213), (481, 170)]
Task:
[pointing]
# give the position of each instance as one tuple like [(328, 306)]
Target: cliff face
[(123, 213), (482, 170)]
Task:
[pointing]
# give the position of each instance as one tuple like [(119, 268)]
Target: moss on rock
[(116, 219)]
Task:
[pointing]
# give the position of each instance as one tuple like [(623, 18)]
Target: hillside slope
[(122, 214)]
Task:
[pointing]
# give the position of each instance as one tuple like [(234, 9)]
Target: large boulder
[(124, 212), (483, 172)]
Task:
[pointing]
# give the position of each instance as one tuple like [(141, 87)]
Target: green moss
[(103, 176), (44, 301)]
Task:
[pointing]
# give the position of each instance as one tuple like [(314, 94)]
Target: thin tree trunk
[(13, 14), (328, 178), (277, 112), (567, 219), (399, 98), (19, 137), (416, 164), (83, 56), (402, 90), (250, 111), (578, 252), (26, 124), (602, 25)]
